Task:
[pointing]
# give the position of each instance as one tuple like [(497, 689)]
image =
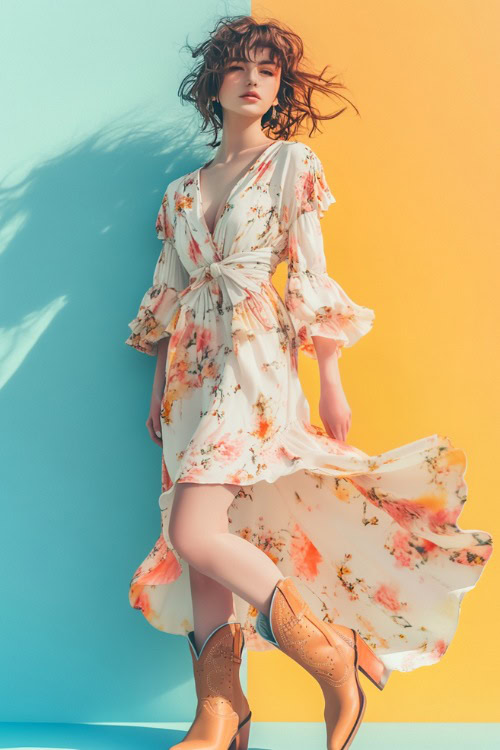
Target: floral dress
[(372, 540)]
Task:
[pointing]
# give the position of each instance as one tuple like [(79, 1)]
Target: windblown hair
[(235, 36)]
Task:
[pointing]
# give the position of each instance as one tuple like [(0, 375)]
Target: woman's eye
[(239, 67)]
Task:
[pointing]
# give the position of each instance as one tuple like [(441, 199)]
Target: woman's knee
[(198, 512), (185, 528), (186, 541)]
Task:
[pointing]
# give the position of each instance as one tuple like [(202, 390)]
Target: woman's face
[(258, 75)]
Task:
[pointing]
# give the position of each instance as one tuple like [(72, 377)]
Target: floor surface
[(263, 736)]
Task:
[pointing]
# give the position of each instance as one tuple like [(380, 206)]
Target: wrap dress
[(372, 540)]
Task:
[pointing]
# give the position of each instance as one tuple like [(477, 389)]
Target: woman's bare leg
[(199, 531), (212, 605)]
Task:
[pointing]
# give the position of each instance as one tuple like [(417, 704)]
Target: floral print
[(373, 541)]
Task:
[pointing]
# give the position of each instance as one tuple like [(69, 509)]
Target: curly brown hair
[(234, 37)]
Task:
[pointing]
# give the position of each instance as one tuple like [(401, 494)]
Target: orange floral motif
[(262, 409), (304, 554), (183, 202)]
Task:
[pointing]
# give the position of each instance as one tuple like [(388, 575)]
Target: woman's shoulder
[(300, 159), (298, 147), (301, 154), (174, 188), (304, 179), (178, 183)]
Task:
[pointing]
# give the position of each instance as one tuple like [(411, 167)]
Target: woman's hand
[(334, 411), (153, 422), (333, 407)]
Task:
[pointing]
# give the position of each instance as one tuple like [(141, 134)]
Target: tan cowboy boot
[(330, 653), (223, 716)]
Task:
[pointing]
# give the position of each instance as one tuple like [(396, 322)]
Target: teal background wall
[(93, 132)]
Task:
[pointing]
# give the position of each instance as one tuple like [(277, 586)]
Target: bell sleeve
[(160, 302), (317, 304)]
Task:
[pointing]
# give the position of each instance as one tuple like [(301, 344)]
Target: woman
[(275, 532)]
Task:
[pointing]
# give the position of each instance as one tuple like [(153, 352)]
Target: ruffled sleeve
[(317, 304), (160, 302)]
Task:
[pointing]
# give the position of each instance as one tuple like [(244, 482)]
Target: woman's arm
[(153, 422), (325, 319), (334, 410)]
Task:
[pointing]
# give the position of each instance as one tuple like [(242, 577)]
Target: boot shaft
[(216, 668)]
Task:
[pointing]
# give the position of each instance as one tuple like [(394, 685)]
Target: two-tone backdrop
[(93, 132)]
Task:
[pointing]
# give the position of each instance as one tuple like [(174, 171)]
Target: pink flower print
[(304, 188), (192, 474), (405, 512), (203, 339), (439, 520), (226, 450), (194, 252), (402, 553), (439, 648), (388, 598), (262, 169)]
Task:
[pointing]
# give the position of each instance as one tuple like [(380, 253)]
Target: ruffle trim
[(318, 306), (156, 311)]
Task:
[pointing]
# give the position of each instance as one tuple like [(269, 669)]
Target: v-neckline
[(235, 187)]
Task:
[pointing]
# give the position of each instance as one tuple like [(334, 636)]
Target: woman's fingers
[(153, 432), (329, 430)]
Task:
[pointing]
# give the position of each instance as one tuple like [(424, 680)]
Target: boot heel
[(369, 663), (242, 738)]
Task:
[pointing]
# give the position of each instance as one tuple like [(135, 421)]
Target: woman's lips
[(250, 97)]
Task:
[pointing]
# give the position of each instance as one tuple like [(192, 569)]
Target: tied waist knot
[(215, 271), (242, 273)]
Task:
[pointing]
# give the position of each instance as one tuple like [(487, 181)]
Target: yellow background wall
[(415, 236)]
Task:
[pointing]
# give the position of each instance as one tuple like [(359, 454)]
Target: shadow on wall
[(81, 477)]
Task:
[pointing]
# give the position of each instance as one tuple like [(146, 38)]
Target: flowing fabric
[(373, 540)]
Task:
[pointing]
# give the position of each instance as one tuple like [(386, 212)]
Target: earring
[(273, 120)]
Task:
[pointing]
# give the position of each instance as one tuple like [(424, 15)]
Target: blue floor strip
[(263, 736)]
